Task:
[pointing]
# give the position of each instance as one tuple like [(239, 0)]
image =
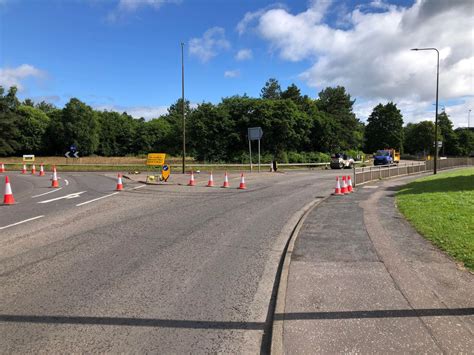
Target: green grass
[(441, 208)]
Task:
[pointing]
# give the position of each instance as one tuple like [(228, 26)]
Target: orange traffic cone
[(242, 185), (23, 171), (211, 180), (119, 183), (33, 169), (344, 186), (54, 182), (2, 168), (349, 184), (337, 191), (8, 197), (192, 182), (226, 181), (41, 173)]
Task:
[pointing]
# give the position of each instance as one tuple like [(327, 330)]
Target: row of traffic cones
[(24, 171), (346, 187), (8, 198), (210, 183)]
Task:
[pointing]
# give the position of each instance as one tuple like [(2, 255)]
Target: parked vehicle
[(386, 157), (341, 161)]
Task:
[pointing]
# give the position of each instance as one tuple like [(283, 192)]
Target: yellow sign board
[(155, 159), (165, 173), (28, 158)]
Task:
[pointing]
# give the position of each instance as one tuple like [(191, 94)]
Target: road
[(150, 269)]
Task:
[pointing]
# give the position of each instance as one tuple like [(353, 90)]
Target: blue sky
[(125, 54)]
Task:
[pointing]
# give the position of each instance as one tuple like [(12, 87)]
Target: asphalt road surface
[(150, 269)]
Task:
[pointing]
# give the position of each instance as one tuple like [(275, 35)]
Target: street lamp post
[(182, 107), (436, 116), (469, 119)]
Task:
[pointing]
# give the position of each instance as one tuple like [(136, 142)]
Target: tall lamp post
[(182, 107), (436, 117), (469, 119)]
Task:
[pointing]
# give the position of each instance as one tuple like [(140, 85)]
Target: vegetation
[(297, 128), (441, 208)]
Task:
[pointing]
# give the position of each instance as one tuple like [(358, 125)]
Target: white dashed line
[(17, 223), (138, 187), (96, 199)]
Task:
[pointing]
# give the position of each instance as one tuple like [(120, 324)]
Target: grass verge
[(441, 208)]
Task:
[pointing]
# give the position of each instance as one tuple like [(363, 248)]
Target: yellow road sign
[(28, 158), (155, 159), (165, 173)]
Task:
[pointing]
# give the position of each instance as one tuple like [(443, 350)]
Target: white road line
[(67, 182), (17, 223), (96, 199), (66, 197), (49, 192), (138, 187)]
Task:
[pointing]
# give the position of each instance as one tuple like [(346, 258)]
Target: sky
[(125, 55)]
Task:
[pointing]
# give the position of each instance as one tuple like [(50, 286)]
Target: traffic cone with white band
[(349, 184), (192, 182), (242, 185), (2, 168), (211, 180), (337, 191), (226, 181), (54, 182), (344, 186), (119, 183), (41, 173), (23, 171), (8, 197), (33, 169)]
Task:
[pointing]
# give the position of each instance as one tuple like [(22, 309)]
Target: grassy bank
[(441, 208)]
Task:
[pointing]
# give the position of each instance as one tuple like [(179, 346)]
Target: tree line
[(296, 128)]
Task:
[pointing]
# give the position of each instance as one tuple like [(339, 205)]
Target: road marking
[(96, 199), (370, 187), (67, 182), (17, 223), (138, 187), (49, 192), (67, 197)]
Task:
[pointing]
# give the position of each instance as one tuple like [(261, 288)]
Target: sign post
[(254, 134)]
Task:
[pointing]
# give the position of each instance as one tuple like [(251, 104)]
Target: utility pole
[(182, 106), (469, 119)]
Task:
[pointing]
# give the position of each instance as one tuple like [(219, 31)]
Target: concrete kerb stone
[(277, 326)]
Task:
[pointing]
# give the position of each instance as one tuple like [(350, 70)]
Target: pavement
[(362, 280)]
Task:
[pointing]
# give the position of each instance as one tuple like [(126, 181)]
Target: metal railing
[(374, 173)]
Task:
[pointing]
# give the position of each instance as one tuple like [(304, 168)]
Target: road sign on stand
[(155, 159), (165, 173), (75, 154), (28, 158), (254, 134)]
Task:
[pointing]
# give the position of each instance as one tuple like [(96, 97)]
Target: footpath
[(362, 280)]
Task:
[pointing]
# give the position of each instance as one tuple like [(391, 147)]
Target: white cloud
[(147, 112), (127, 7), (244, 54), (371, 56), (209, 45), (231, 73), (15, 76)]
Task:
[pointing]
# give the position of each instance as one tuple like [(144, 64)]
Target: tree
[(384, 128), (32, 125), (292, 92), (271, 90), (466, 141), (9, 120), (419, 138), (449, 138), (337, 104), (81, 127)]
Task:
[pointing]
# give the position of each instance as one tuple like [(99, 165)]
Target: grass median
[(441, 208)]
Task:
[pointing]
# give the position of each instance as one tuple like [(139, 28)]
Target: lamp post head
[(414, 49)]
